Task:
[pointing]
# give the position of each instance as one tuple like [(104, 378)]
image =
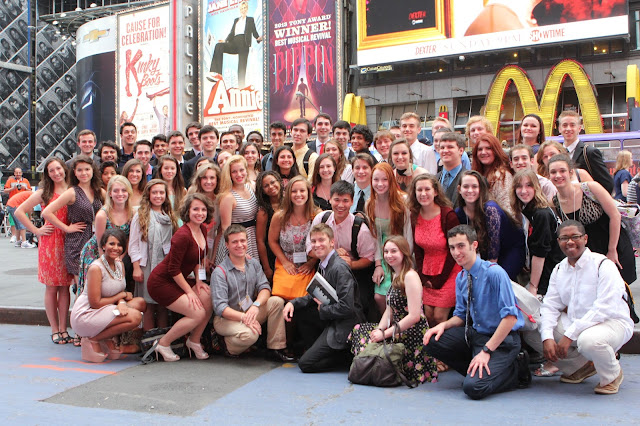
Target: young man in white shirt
[(584, 318), (423, 155)]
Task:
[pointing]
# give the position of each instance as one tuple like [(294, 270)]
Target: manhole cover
[(23, 271)]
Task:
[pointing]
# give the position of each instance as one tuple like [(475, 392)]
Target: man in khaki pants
[(242, 301)]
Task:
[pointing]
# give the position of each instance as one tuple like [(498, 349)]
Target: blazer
[(598, 169), (344, 315), (452, 191), (249, 30)]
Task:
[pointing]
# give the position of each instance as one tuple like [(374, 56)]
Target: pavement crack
[(327, 399)]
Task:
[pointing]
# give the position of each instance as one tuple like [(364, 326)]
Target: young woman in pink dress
[(431, 218), (52, 271)]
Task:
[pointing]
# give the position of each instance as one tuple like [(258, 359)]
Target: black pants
[(366, 292), (319, 356), (236, 46), (452, 349)]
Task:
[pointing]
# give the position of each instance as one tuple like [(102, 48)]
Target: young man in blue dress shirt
[(481, 340)]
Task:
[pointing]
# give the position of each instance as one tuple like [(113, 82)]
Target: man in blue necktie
[(481, 340)]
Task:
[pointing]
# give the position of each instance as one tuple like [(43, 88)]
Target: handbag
[(380, 364)]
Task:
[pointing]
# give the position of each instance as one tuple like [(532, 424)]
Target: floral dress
[(51, 266), (418, 366)]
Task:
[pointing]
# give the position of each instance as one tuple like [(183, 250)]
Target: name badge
[(210, 243), (299, 257), (246, 303), (166, 248), (202, 274)]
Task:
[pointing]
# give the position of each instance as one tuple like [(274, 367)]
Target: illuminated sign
[(354, 110), (393, 31), (546, 109)]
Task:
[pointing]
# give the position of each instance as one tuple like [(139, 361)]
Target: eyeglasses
[(574, 238)]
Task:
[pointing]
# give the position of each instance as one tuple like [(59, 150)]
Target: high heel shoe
[(167, 353), (112, 353), (89, 354), (197, 349)]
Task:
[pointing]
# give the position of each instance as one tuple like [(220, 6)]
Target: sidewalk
[(22, 300)]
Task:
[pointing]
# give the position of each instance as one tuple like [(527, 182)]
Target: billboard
[(232, 63), (56, 106), (304, 66), (15, 90), (144, 71), (96, 62), (416, 29)]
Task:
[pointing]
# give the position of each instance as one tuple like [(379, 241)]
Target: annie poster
[(144, 67), (304, 66), (233, 64)]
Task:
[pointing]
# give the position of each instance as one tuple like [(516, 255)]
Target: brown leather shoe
[(612, 387), (582, 374)]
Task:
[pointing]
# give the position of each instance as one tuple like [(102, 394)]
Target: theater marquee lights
[(546, 108)]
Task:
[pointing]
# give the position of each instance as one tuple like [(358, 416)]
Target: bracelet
[(378, 266), (531, 284), (122, 301)]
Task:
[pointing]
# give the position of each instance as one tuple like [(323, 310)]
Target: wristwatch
[(487, 350), (256, 304)]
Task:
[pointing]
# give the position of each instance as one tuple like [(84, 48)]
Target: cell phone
[(116, 312)]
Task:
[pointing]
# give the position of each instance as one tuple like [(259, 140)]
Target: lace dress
[(596, 223), (418, 366)]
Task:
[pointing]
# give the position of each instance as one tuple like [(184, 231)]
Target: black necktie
[(467, 322), (360, 203)]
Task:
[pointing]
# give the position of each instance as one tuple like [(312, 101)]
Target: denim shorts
[(19, 226)]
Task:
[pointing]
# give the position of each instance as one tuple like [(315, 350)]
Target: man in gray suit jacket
[(238, 43), (451, 150), (325, 328)]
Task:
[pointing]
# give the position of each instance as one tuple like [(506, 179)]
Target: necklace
[(115, 274)]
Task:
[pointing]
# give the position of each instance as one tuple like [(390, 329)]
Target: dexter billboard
[(418, 29)]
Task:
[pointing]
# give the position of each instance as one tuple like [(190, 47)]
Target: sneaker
[(582, 374), (18, 244), (28, 245), (612, 387), (12, 240)]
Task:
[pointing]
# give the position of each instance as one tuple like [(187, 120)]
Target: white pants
[(598, 344)]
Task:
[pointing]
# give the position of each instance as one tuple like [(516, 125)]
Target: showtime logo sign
[(538, 35)]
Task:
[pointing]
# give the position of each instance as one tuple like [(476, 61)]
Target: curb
[(23, 315)]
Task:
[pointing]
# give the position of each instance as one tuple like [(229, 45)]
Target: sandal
[(77, 342), (542, 371), (65, 339), (57, 340)]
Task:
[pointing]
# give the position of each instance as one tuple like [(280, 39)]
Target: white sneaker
[(18, 243), (12, 240), (28, 245)]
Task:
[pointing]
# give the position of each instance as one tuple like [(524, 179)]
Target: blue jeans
[(452, 349)]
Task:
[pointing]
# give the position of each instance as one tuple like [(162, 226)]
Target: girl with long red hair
[(493, 163), (388, 215)]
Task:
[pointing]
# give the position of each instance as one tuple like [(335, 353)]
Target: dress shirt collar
[(476, 268), (453, 172), (572, 147), (326, 260), (584, 261)]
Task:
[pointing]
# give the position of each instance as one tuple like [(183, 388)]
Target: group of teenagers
[(419, 242)]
